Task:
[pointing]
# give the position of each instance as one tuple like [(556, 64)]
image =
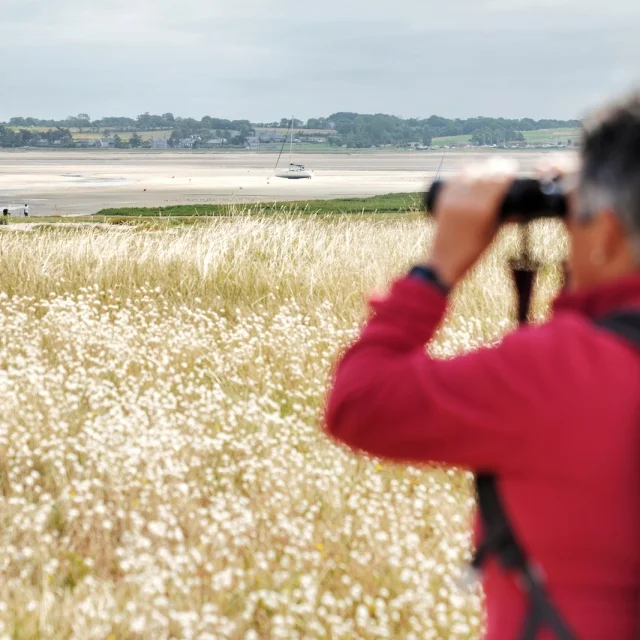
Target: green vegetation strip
[(389, 203)]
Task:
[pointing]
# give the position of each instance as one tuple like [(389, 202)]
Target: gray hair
[(610, 175)]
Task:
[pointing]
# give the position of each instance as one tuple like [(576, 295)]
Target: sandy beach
[(79, 183)]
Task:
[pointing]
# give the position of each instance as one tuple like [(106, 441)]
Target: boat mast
[(291, 143), (281, 150)]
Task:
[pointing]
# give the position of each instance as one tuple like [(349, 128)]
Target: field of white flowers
[(163, 473)]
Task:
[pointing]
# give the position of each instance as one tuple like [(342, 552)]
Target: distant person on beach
[(5, 215), (26, 210)]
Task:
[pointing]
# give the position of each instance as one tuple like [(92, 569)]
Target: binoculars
[(527, 199)]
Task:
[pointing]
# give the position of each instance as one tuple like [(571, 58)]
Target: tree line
[(366, 130), (143, 122), (342, 128), (26, 138)]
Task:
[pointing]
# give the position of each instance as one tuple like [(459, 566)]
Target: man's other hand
[(467, 212)]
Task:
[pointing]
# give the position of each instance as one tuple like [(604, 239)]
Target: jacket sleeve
[(479, 410)]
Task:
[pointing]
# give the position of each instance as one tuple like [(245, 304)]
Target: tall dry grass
[(162, 473)]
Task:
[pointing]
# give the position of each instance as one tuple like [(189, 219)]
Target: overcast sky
[(266, 59)]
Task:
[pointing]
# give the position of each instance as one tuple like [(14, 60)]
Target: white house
[(161, 142), (187, 143), (271, 136)]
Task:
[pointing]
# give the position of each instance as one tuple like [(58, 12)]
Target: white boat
[(293, 171)]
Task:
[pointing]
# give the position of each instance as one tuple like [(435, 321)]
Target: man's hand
[(564, 166), (558, 165), (467, 212)]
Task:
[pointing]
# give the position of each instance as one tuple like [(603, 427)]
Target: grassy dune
[(162, 473), (389, 203)]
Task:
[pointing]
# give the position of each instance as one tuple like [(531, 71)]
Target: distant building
[(252, 143), (271, 136), (159, 142), (216, 142), (188, 143), (84, 142)]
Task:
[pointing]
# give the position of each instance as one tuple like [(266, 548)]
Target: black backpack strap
[(499, 540), (625, 324)]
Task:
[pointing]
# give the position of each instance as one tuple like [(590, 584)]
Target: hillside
[(339, 130)]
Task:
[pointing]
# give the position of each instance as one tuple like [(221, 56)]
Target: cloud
[(263, 59)]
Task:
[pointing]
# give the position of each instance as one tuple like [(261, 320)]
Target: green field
[(450, 140), (125, 135), (93, 135), (552, 136), (393, 204), (389, 203), (38, 129), (542, 136)]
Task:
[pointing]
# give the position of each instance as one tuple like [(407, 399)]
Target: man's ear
[(613, 235)]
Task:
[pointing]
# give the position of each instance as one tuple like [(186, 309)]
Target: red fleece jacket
[(553, 411)]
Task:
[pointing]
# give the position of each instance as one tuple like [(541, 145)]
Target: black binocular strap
[(499, 539), (625, 324)]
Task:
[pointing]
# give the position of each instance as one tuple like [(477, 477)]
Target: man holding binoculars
[(549, 419)]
